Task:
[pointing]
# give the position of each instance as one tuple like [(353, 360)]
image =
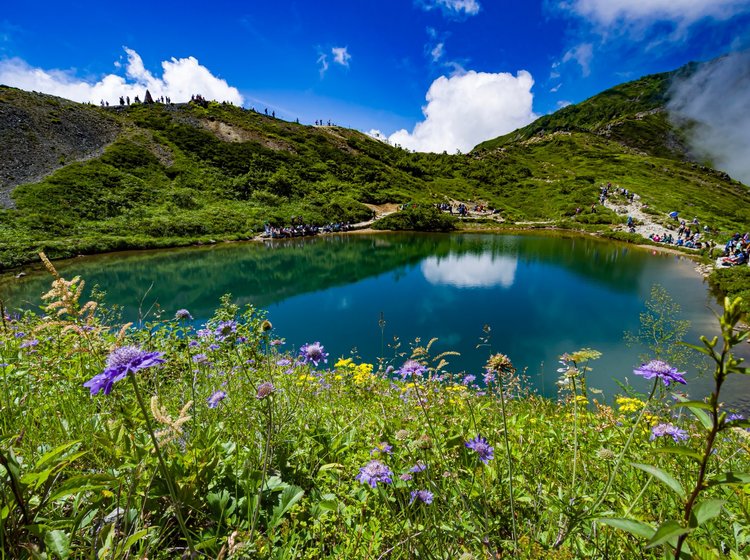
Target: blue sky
[(488, 66)]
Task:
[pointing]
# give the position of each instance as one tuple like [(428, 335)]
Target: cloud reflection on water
[(471, 271)]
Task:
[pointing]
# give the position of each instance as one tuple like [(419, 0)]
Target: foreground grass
[(223, 442)]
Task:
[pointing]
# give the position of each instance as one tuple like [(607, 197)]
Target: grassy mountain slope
[(632, 114), (180, 174)]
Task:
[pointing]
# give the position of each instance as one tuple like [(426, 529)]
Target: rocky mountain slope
[(41, 133)]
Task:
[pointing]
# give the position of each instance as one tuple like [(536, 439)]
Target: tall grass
[(253, 449)]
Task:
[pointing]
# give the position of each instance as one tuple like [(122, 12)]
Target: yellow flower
[(362, 374), (344, 363), (626, 404)]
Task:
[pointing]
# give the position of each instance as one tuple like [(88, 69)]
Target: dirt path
[(645, 224)]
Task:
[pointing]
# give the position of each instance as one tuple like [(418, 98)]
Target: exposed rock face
[(40, 133)]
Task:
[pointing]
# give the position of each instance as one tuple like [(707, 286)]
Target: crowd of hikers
[(463, 210), (736, 251), (303, 230), (688, 235)]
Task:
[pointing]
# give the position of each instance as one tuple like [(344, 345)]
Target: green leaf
[(330, 466), (58, 543), (670, 529), (679, 450), (663, 476), (79, 484), (290, 496), (707, 509), (730, 478), (693, 404), (59, 450), (698, 409), (637, 528), (135, 537)]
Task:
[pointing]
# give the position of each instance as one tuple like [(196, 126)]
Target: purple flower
[(264, 390), (29, 343), (375, 471), (283, 362), (122, 361), (419, 467), (183, 315), (482, 448), (469, 379), (204, 333), (661, 370), (278, 342), (382, 447), (313, 353), (200, 358), (216, 398), (213, 346), (411, 368), (663, 430), (424, 496), (406, 477), (225, 329)]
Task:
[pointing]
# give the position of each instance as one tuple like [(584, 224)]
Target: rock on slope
[(40, 133)]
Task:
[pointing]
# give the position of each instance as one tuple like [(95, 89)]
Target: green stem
[(264, 470), (575, 434), (510, 466), (575, 520), (162, 465), (699, 483)]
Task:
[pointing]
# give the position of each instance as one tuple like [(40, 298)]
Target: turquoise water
[(541, 296)]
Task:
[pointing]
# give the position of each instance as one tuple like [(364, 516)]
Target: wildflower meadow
[(165, 440)]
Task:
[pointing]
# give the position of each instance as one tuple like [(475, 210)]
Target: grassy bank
[(119, 442)]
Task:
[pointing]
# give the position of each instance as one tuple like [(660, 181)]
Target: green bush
[(418, 217)]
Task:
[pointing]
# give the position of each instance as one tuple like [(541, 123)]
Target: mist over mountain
[(713, 104)]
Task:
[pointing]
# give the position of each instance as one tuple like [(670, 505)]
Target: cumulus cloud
[(180, 79), (608, 13), (377, 135), (582, 54), (451, 7), (471, 271), (469, 108), (716, 100), (341, 56)]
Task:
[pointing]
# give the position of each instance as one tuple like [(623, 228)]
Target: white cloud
[(471, 271), (609, 13), (341, 56), (180, 79), (323, 62), (563, 103), (469, 108), (555, 89), (377, 135), (715, 99), (582, 54), (452, 7), (437, 52)]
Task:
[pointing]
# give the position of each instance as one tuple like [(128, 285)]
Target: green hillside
[(180, 174)]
